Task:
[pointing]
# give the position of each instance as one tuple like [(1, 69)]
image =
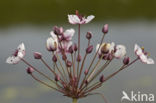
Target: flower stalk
[(75, 100)]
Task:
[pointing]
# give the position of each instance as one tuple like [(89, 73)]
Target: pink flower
[(64, 46), (17, 55), (68, 34), (142, 55), (79, 19), (107, 46), (52, 42)]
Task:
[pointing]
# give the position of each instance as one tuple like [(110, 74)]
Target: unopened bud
[(54, 58), (89, 49), (57, 30), (57, 77), (86, 82), (69, 63), (79, 58), (110, 57), (86, 72), (30, 70), (105, 29), (51, 44), (75, 47), (89, 35), (102, 79), (71, 49), (64, 57), (126, 60), (105, 56), (37, 55)]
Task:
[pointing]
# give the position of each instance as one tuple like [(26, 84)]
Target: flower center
[(15, 53)]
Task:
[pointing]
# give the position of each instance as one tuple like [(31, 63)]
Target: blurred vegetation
[(47, 11)]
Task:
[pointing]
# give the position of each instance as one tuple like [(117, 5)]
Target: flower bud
[(37, 55), (79, 58), (54, 58), (71, 49), (102, 79), (51, 44), (105, 56), (105, 29), (57, 77), (75, 47), (86, 72), (110, 57), (30, 70), (57, 30), (126, 60), (89, 35), (69, 63), (86, 82), (89, 49), (64, 57)]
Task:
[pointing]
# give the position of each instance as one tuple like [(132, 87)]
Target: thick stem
[(74, 100), (78, 49)]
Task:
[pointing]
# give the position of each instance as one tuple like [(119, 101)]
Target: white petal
[(138, 51), (12, 60), (21, 54), (111, 48), (150, 61), (53, 35), (51, 43), (73, 19), (69, 44), (120, 51), (89, 18), (136, 47), (21, 47), (143, 58), (68, 34)]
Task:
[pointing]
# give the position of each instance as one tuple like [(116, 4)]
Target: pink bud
[(89, 49), (57, 77), (75, 47), (86, 72), (126, 60), (37, 55), (110, 57), (89, 35), (57, 30), (102, 79), (70, 49), (105, 29), (79, 58), (64, 57), (69, 63), (86, 82), (105, 56), (30, 70), (54, 58)]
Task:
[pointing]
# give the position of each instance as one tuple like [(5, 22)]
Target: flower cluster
[(70, 76)]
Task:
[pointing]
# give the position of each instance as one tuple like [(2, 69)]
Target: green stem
[(74, 100)]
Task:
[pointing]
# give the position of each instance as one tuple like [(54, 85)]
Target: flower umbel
[(72, 75)]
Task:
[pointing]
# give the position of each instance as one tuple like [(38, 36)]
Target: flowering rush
[(69, 75)]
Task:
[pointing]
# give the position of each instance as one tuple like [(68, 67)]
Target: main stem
[(78, 50), (74, 100)]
